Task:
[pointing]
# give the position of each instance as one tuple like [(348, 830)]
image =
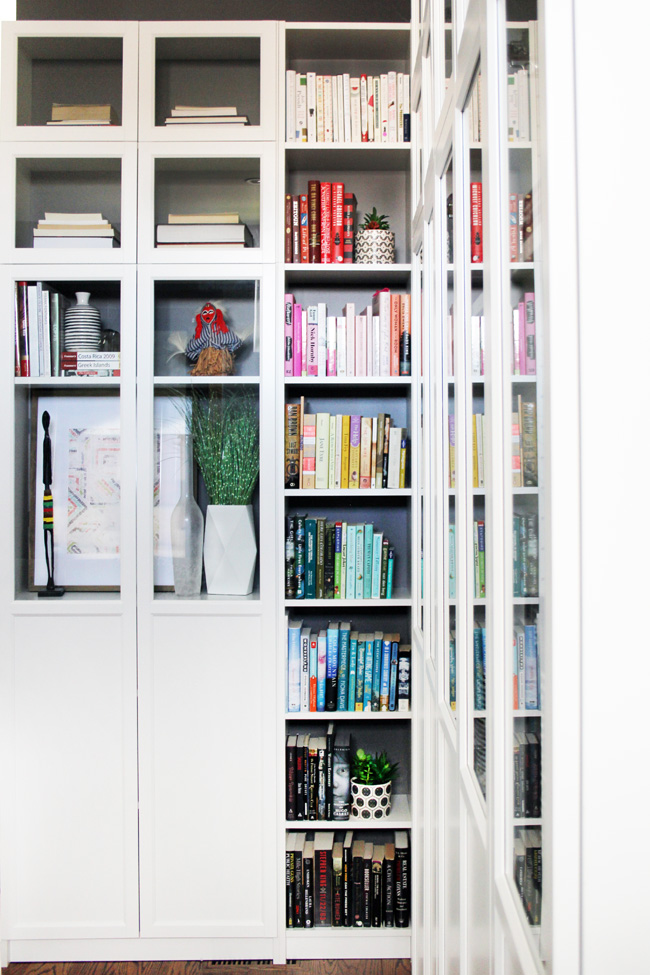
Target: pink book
[(297, 340), (522, 338), (360, 345), (304, 341), (531, 352), (369, 342), (288, 334), (326, 223), (350, 339)]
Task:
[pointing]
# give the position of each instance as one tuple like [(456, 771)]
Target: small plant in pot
[(375, 241), (372, 778)]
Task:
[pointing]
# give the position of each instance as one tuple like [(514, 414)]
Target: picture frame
[(85, 435)]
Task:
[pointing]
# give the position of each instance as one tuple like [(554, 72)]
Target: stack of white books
[(204, 229), (206, 115), (75, 230)]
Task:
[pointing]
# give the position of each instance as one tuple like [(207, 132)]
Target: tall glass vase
[(187, 530)]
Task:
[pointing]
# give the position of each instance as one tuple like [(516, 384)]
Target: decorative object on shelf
[(374, 242), (82, 326), (48, 511), (372, 779), (213, 344), (224, 424), (187, 530)]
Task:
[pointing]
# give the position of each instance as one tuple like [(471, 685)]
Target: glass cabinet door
[(450, 574)]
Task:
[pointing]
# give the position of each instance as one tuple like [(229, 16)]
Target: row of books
[(475, 110), (75, 230), (376, 342), (478, 536), (319, 224), (205, 115), (479, 646), (330, 451), (336, 560), (478, 450), (525, 668), (524, 342), (341, 669), (519, 105), (521, 227), (525, 557), (524, 443), (204, 229), (527, 775), (527, 868), (343, 108), (452, 668), (38, 328), (83, 114), (318, 776), (336, 880)]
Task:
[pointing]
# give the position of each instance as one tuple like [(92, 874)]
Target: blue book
[(375, 588), (531, 696), (310, 558), (321, 670), (376, 671), (350, 557), (384, 684), (344, 655), (479, 677), (332, 666), (294, 666), (392, 691), (352, 676), (361, 663), (358, 569), (389, 573), (367, 672), (368, 537)]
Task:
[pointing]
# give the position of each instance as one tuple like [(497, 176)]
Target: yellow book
[(366, 450), (474, 453), (345, 451), (402, 463), (322, 450)]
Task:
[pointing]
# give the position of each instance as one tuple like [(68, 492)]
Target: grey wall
[(386, 11)]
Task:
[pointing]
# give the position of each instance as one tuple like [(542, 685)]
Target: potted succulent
[(374, 242), (371, 783)]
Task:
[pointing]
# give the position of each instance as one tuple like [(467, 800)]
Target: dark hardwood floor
[(370, 966)]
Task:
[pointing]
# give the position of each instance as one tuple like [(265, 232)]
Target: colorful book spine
[(352, 676), (476, 215), (322, 670)]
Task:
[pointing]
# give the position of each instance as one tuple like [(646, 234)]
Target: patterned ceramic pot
[(370, 801), (374, 247)]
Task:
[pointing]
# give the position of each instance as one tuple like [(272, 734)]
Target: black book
[(313, 778), (290, 558), (328, 584), (308, 884), (367, 884), (329, 761), (533, 776), (358, 848), (376, 889), (291, 776), (298, 850), (300, 556), (404, 677), (323, 843), (337, 884), (322, 777), (402, 880), (347, 879), (341, 778), (389, 885), (320, 558), (289, 863)]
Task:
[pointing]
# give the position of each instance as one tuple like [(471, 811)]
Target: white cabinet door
[(207, 802), (69, 778)]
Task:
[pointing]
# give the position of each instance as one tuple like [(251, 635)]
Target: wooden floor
[(371, 966)]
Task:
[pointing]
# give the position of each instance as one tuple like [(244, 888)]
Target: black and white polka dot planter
[(370, 801)]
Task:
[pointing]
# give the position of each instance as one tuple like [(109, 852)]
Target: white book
[(479, 449), (392, 106), (384, 107), (513, 107), (32, 331), (350, 339), (400, 106), (312, 340), (320, 110), (341, 114), (328, 112), (363, 95), (347, 130), (332, 348), (75, 218), (476, 346), (394, 447), (360, 345), (305, 634), (204, 110), (85, 242), (341, 346), (290, 106), (337, 450), (301, 108), (406, 94), (376, 369), (376, 104), (524, 105), (293, 665), (322, 338), (47, 342), (331, 477), (381, 307), (369, 342), (335, 109), (83, 230), (311, 106), (355, 110), (322, 450)]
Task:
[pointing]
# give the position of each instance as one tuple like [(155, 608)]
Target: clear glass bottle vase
[(187, 530)]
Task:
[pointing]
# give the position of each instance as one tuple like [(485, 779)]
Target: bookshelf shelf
[(398, 818), (303, 716), (385, 494), (326, 274), (69, 382)]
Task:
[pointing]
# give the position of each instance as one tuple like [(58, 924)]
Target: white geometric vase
[(370, 801), (229, 549)]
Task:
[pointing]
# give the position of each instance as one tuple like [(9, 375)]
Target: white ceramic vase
[(229, 549)]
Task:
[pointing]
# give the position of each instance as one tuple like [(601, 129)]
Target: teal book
[(377, 539), (384, 683), (358, 569), (332, 667), (338, 532), (368, 672), (361, 663), (350, 572), (479, 674), (384, 568), (392, 685), (368, 537), (344, 558), (352, 670), (389, 573), (344, 656), (310, 558), (376, 671)]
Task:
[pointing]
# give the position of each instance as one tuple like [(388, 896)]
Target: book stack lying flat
[(83, 115), (205, 115), (75, 230), (204, 229)]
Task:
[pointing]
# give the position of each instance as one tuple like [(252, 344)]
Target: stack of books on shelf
[(205, 115), (348, 109), (203, 229), (479, 667), (527, 775), (341, 669), (326, 451), (525, 558), (478, 450), (528, 871), (75, 230), (83, 115), (102, 363), (525, 666), (524, 443), (479, 558), (519, 105), (336, 880), (318, 776), (521, 227), (376, 342), (336, 560), (524, 340), (319, 224), (451, 425)]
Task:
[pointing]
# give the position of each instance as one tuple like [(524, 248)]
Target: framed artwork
[(85, 435)]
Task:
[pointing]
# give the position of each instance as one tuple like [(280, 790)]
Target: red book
[(395, 322), (326, 223), (338, 192), (304, 229), (349, 207), (313, 211), (295, 228), (476, 206), (22, 334)]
